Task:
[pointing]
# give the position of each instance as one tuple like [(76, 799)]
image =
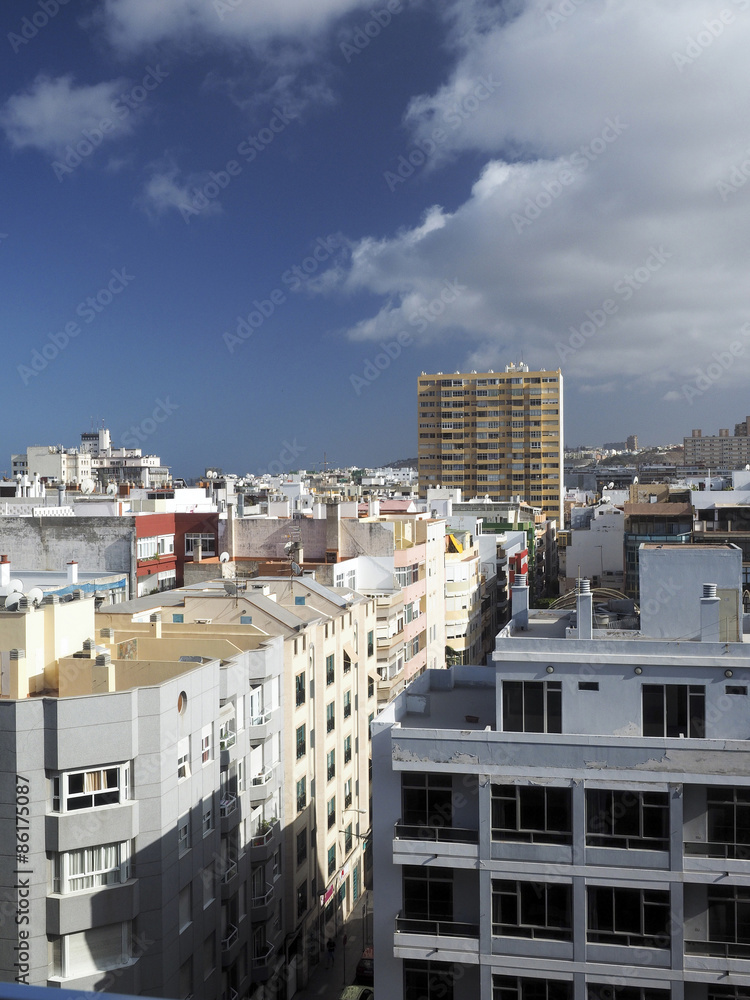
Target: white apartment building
[(573, 824)]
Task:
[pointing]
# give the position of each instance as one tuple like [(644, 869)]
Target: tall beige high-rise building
[(494, 433)]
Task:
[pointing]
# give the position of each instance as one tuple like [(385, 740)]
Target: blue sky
[(222, 210)]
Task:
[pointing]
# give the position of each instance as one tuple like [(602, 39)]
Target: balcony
[(230, 871), (227, 740), (264, 783), (230, 994), (230, 937), (261, 907), (265, 842), (259, 727), (262, 962), (421, 938), (422, 839), (718, 949), (229, 814)]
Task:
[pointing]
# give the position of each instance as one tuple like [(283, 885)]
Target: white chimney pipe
[(72, 571), (584, 610), (4, 571), (710, 614)]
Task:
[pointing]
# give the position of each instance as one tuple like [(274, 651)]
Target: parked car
[(357, 993), (365, 974)]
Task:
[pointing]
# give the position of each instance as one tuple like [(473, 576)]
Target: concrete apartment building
[(221, 804), (572, 824), (499, 434), (714, 451)]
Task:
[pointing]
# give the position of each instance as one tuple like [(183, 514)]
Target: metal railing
[(436, 928), (227, 740), (227, 805), (424, 831), (229, 939), (230, 870), (718, 949)]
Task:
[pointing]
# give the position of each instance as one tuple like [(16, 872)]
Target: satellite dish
[(224, 557), (297, 569), (12, 602), (87, 485), (15, 585), (635, 479), (112, 489), (610, 486), (36, 596)]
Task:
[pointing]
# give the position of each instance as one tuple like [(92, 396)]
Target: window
[(347, 663), (532, 910), (299, 689), (330, 669), (302, 846), (532, 706), (331, 764), (428, 980), (301, 742), (209, 956), (330, 717), (426, 799), (183, 758), (92, 867), (428, 893), (207, 540), (91, 789), (625, 819), (370, 717), (206, 746), (518, 988), (674, 710), (371, 643), (347, 749), (301, 899), (531, 814), (185, 908), (370, 687), (606, 991), (347, 793), (632, 917), (301, 794), (348, 839), (331, 860), (727, 824), (208, 819), (183, 835), (347, 704), (331, 808), (96, 950), (588, 685)]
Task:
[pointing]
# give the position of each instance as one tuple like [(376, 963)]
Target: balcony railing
[(260, 720), (230, 870), (436, 928), (232, 933), (261, 956), (227, 805), (230, 994), (227, 740), (447, 834), (265, 899), (263, 776), (732, 852), (718, 949), (262, 836)]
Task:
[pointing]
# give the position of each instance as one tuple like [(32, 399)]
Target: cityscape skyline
[(255, 205)]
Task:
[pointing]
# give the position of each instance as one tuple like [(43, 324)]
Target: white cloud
[(166, 190), (596, 236), (54, 112), (134, 24)]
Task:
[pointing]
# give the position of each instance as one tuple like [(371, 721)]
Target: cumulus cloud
[(167, 190), (55, 111), (606, 231)]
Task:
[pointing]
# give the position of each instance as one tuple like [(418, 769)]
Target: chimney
[(72, 571), (519, 602), (197, 551), (156, 622), (373, 508), (710, 614), (4, 571), (240, 505), (584, 609), (60, 495)]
